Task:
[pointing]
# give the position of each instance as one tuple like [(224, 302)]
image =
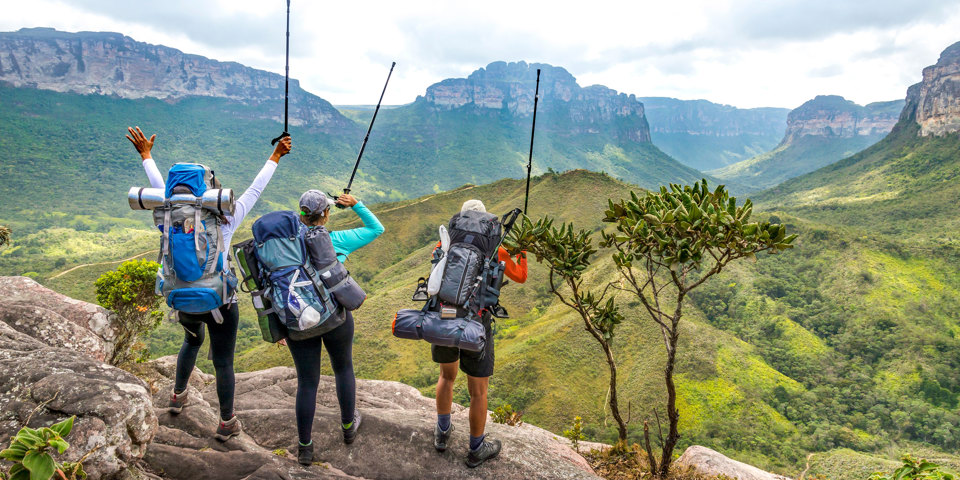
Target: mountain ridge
[(109, 63)]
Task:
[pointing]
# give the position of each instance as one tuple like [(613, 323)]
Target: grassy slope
[(904, 187), (805, 155)]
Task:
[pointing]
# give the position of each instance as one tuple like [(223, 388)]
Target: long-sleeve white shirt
[(243, 204)]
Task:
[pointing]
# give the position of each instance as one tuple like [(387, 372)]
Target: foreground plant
[(129, 292), (575, 433), (567, 254), (30, 449), (913, 469), (4, 235), (668, 243)]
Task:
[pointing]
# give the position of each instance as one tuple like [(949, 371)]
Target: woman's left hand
[(346, 200)]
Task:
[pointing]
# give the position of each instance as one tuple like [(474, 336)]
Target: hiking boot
[(229, 428), (177, 401), (486, 451), (350, 434), (305, 454), (440, 437)]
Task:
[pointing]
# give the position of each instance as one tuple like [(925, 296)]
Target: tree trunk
[(614, 408), (673, 436)]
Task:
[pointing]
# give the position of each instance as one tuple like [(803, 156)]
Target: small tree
[(4, 235), (667, 244), (129, 292), (567, 254)]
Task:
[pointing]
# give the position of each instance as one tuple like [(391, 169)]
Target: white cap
[(474, 205)]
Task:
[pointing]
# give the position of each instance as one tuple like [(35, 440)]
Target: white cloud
[(742, 52)]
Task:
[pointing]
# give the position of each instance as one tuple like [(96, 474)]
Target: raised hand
[(140, 142), (346, 200), (283, 147)]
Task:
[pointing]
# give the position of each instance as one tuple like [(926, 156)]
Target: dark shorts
[(474, 364)]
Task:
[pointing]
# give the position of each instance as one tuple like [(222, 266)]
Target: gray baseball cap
[(314, 201)]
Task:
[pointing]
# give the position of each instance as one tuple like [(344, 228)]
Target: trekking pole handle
[(275, 140)]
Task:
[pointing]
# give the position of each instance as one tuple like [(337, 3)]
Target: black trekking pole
[(286, 84), (367, 136), (533, 130)]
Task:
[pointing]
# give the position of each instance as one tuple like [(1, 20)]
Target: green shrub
[(30, 449), (129, 292), (505, 414), (575, 433), (917, 469), (4, 235)]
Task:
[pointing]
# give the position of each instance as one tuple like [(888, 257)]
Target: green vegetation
[(575, 433), (4, 235), (30, 452), (129, 292), (913, 469), (786, 161), (505, 414)]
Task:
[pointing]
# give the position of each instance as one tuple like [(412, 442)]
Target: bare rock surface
[(395, 440), (41, 384), (710, 462), (56, 319)]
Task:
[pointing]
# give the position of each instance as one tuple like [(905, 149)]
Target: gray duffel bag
[(332, 273), (462, 333)]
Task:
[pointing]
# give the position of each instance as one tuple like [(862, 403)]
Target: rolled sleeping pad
[(217, 200), (460, 333)]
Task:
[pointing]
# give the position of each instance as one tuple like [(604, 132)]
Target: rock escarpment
[(107, 63), (935, 102), (710, 462), (836, 117), (395, 440), (705, 118), (510, 87), (43, 381)]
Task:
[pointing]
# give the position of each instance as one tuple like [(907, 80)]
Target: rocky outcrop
[(56, 319), (107, 63), (935, 102), (395, 441), (41, 384), (710, 462), (510, 87), (836, 117)]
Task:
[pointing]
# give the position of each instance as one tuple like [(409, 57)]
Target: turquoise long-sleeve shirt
[(346, 242)]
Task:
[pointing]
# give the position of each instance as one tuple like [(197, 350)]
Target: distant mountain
[(707, 135), (106, 63), (905, 185), (819, 132), (68, 97), (479, 128)]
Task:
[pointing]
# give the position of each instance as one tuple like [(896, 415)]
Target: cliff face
[(935, 101), (702, 117), (113, 64), (835, 116), (509, 87)]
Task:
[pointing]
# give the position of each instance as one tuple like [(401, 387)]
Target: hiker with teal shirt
[(223, 322), (314, 213)]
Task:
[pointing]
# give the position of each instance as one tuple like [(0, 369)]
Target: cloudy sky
[(746, 53)]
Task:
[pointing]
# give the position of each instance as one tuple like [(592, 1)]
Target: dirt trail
[(101, 263)]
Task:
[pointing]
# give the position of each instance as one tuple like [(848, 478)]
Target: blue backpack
[(297, 295), (194, 276)]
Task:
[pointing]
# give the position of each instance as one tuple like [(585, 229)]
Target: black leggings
[(306, 357), (223, 340)]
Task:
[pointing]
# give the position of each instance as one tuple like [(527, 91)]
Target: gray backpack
[(194, 276), (331, 271)]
